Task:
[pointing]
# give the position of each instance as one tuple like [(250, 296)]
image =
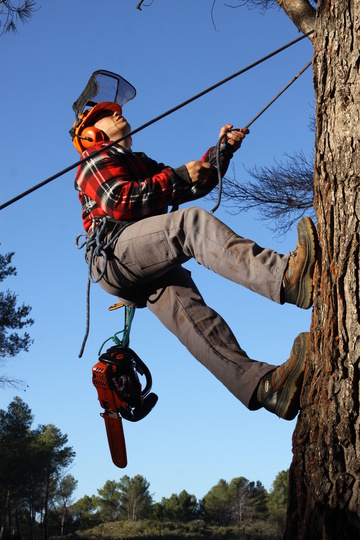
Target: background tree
[(12, 319), (324, 475), (259, 497), (63, 498), (108, 501), (217, 504), (240, 490), (181, 508), (31, 464), (84, 512), (15, 440), (249, 501), (12, 13), (136, 501), (278, 500), (55, 457)]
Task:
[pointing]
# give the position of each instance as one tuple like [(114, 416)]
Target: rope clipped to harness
[(125, 341), (95, 246)]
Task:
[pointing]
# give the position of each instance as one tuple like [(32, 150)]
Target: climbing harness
[(120, 393), (156, 119)]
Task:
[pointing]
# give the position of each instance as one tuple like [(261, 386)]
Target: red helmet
[(84, 132)]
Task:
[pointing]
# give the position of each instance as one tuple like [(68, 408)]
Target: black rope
[(219, 143), (156, 119)]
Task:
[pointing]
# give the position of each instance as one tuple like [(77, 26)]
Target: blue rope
[(125, 341), (94, 243)]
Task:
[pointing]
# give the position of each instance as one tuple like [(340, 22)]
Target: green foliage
[(84, 513), (154, 530), (278, 500), (260, 500), (31, 464), (36, 499), (12, 318), (136, 500), (279, 493), (217, 504), (128, 499), (67, 486), (240, 503), (63, 495), (11, 13), (15, 449), (181, 508), (109, 501)]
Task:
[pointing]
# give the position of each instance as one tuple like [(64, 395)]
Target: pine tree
[(13, 319)]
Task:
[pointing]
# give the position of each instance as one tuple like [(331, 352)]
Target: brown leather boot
[(279, 390), (297, 282)]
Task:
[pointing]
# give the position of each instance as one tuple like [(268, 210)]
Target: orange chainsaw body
[(115, 377)]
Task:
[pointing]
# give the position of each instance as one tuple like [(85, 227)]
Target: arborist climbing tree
[(135, 249), (142, 246)]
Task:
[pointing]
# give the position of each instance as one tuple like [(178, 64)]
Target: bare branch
[(282, 194), (8, 382), (212, 15), (302, 14), (11, 14), (142, 2)]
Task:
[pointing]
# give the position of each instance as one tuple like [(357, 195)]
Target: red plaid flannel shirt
[(128, 186)]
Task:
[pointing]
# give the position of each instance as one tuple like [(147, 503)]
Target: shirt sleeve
[(128, 187), (200, 189)]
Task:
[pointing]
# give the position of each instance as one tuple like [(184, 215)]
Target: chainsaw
[(116, 378)]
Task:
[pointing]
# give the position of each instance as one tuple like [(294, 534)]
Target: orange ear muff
[(92, 135)]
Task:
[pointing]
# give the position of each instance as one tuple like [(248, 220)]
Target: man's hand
[(199, 170), (233, 137)]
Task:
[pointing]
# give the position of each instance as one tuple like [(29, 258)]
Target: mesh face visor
[(104, 86)]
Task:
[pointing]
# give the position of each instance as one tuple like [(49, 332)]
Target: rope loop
[(96, 246), (94, 242)]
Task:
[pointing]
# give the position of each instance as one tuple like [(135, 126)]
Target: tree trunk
[(6, 512), (324, 486), (62, 522), (46, 507)]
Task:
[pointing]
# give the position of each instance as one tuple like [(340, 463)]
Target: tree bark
[(324, 498), (301, 13)]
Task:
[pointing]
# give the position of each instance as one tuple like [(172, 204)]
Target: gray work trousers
[(144, 269)]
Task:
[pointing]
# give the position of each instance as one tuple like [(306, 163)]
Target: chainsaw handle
[(143, 370), (139, 412)]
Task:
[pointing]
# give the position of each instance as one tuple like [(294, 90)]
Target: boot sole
[(292, 388), (307, 236)]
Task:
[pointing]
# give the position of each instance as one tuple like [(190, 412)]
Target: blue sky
[(198, 432)]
